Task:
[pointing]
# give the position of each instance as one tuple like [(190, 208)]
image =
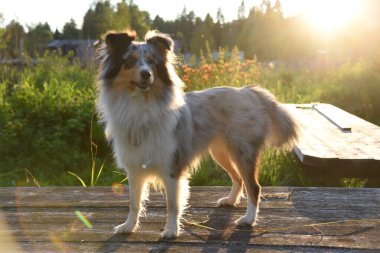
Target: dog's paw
[(125, 228), (170, 233), (245, 221), (227, 201)]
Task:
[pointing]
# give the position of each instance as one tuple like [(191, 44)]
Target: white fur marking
[(250, 216), (234, 196)]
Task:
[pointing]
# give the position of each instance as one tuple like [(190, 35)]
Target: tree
[(265, 6), (98, 20), (102, 17), (203, 35), (218, 27), (185, 24), (263, 33), (140, 21), (13, 39), (2, 30), (220, 17), (37, 38), (241, 10), (70, 30), (278, 7), (159, 24), (122, 17), (57, 35)]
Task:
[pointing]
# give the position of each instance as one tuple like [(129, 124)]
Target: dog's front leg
[(137, 188), (176, 190)]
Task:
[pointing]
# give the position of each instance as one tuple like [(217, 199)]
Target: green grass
[(48, 127), (209, 173), (278, 167)]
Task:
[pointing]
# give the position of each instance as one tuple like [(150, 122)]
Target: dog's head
[(137, 66)]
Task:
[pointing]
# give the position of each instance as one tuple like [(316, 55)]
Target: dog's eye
[(130, 61), (151, 61)]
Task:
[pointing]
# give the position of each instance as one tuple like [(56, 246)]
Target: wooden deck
[(335, 143), (73, 219)]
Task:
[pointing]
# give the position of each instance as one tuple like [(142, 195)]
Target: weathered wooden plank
[(368, 143), (334, 115), (199, 197), (332, 139), (74, 196), (327, 149), (329, 137), (135, 247), (363, 236), (284, 223), (309, 144), (25, 196), (113, 216)]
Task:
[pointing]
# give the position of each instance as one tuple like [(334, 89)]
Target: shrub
[(45, 121)]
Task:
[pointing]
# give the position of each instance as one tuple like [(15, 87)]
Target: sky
[(58, 12)]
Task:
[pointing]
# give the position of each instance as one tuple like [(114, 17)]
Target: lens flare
[(118, 188), (83, 219)]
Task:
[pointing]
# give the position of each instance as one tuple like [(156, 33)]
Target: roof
[(61, 43)]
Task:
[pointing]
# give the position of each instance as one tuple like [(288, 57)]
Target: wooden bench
[(75, 219), (336, 144)]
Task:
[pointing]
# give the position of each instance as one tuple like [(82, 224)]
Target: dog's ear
[(119, 41), (162, 42), (165, 47)]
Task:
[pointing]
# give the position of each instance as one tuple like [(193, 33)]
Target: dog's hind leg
[(220, 154), (247, 163), (177, 192), (138, 193)]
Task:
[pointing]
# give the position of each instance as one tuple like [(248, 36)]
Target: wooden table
[(74, 219), (335, 144)]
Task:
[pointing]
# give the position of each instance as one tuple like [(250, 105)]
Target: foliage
[(98, 20), (202, 36), (356, 89), (140, 21), (122, 17), (278, 167), (231, 72), (102, 17), (353, 86), (45, 119), (37, 38), (12, 39), (70, 30)]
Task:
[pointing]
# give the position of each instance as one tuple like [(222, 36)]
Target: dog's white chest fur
[(142, 133)]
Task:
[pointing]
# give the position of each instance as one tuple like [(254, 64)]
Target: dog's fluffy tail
[(283, 127)]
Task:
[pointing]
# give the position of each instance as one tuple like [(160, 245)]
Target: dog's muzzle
[(146, 80), (142, 85)]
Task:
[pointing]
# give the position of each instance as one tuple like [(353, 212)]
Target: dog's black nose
[(145, 74)]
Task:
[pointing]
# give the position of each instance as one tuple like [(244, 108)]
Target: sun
[(331, 15)]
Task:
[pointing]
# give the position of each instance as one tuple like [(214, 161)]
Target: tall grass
[(46, 116)]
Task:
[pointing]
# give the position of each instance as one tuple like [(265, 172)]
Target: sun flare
[(328, 16)]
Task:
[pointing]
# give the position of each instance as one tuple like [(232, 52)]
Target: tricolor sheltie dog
[(158, 133)]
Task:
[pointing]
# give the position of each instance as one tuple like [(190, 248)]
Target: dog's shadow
[(221, 219), (221, 234), (113, 243)]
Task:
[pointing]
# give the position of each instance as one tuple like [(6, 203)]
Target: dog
[(158, 133)]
